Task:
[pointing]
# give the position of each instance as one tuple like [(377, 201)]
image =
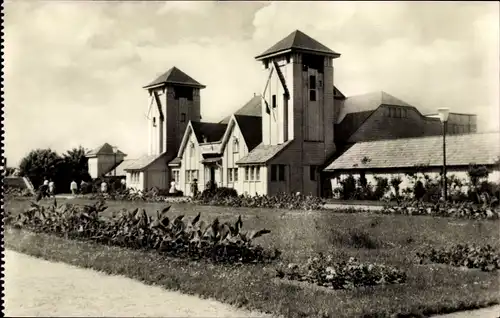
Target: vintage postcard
[(251, 159)]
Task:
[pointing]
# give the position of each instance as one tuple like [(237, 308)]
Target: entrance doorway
[(212, 174)]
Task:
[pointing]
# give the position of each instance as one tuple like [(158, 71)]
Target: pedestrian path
[(36, 287)]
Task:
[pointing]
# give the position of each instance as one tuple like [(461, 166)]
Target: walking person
[(194, 187), (73, 187), (104, 187), (52, 188)]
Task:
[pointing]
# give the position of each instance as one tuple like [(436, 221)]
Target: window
[(312, 95), (230, 175), (277, 172), (312, 173), (281, 172), (252, 170), (154, 121), (183, 92), (235, 174), (257, 173), (398, 112), (274, 172), (247, 173), (191, 175), (266, 64), (320, 84), (236, 146), (175, 176), (312, 82), (183, 117), (274, 101), (191, 150), (287, 59)]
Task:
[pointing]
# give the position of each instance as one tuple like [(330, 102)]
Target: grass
[(389, 239)]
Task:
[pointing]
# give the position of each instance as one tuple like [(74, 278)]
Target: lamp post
[(443, 117), (115, 150)]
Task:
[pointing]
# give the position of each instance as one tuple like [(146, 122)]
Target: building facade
[(281, 140)]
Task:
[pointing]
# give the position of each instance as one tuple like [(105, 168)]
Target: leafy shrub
[(219, 193), (323, 271), (216, 241), (485, 258), (381, 188), (395, 183), (467, 210), (279, 201), (348, 188), (419, 190)]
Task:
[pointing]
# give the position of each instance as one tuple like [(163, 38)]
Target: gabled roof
[(104, 149), (176, 77), (368, 102), (262, 153), (251, 108), (251, 129), (144, 162), (297, 41), (211, 131), (120, 168), (461, 150)]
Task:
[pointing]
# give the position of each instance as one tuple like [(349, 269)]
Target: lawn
[(388, 239)]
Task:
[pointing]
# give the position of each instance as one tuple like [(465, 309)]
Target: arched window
[(236, 146)]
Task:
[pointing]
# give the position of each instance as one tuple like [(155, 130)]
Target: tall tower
[(298, 106), (298, 92), (174, 100)]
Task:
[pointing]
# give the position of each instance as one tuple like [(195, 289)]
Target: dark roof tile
[(175, 76), (262, 153), (298, 41), (211, 131), (251, 129), (461, 150)]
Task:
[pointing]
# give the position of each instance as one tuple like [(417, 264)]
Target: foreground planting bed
[(400, 286)]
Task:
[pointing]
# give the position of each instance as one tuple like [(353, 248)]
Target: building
[(399, 158), (103, 159), (280, 140)]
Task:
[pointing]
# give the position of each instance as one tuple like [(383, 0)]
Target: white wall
[(407, 181), (191, 162)]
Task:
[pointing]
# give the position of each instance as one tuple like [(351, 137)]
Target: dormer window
[(266, 64), (236, 146), (183, 117), (154, 121)]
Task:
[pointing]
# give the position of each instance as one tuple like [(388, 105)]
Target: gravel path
[(36, 287)]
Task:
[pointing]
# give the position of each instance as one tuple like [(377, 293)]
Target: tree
[(40, 164), (77, 164)]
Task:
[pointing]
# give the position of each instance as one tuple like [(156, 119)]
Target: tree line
[(46, 164)]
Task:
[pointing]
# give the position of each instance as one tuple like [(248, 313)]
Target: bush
[(279, 201), (323, 271), (419, 190), (471, 256), (216, 241), (464, 210), (348, 187), (381, 188)]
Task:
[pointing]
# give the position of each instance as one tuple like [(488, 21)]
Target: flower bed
[(467, 210), (217, 242), (323, 271), (485, 258), (279, 201)]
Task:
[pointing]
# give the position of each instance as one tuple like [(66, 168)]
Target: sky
[(74, 70)]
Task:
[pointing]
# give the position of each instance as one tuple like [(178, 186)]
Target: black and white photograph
[(281, 159)]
